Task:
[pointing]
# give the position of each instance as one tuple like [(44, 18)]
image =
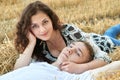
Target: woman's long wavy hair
[(23, 26)]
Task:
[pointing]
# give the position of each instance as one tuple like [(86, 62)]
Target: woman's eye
[(45, 22), (34, 26)]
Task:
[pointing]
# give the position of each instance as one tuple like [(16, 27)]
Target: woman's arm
[(115, 65), (80, 68), (25, 58), (96, 63)]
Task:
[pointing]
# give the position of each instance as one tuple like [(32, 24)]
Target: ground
[(90, 15)]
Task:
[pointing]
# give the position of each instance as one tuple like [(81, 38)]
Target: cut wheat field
[(90, 15)]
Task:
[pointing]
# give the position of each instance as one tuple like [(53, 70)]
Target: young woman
[(41, 37)]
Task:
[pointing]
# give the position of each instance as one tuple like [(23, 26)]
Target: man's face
[(77, 52)]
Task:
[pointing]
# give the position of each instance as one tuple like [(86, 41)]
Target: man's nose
[(72, 50)]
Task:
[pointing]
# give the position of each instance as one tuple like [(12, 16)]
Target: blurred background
[(90, 15)]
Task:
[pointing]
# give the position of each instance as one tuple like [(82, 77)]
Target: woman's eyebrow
[(45, 19)]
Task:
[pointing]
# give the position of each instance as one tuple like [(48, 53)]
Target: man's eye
[(77, 53), (70, 46)]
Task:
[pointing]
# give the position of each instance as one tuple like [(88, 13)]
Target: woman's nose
[(42, 29)]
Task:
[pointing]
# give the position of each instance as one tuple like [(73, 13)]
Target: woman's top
[(102, 45)]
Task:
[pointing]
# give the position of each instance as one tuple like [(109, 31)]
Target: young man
[(77, 52)]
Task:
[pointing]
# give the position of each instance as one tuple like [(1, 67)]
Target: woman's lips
[(44, 34)]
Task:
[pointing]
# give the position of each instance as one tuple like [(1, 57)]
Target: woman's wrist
[(32, 43), (83, 68), (56, 63)]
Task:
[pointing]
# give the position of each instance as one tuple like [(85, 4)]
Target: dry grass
[(90, 15), (109, 75), (8, 55)]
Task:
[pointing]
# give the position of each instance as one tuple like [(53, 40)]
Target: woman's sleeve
[(74, 33), (102, 56), (98, 53)]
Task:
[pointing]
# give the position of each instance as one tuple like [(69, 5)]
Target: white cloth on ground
[(44, 71)]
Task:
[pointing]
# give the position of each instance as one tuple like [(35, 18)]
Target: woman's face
[(41, 26)]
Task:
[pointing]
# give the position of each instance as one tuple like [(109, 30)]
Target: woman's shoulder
[(72, 32), (70, 27)]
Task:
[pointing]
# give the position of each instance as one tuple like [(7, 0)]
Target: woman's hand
[(31, 37), (69, 67), (72, 67), (64, 55), (25, 58)]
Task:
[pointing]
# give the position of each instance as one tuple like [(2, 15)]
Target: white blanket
[(43, 71)]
